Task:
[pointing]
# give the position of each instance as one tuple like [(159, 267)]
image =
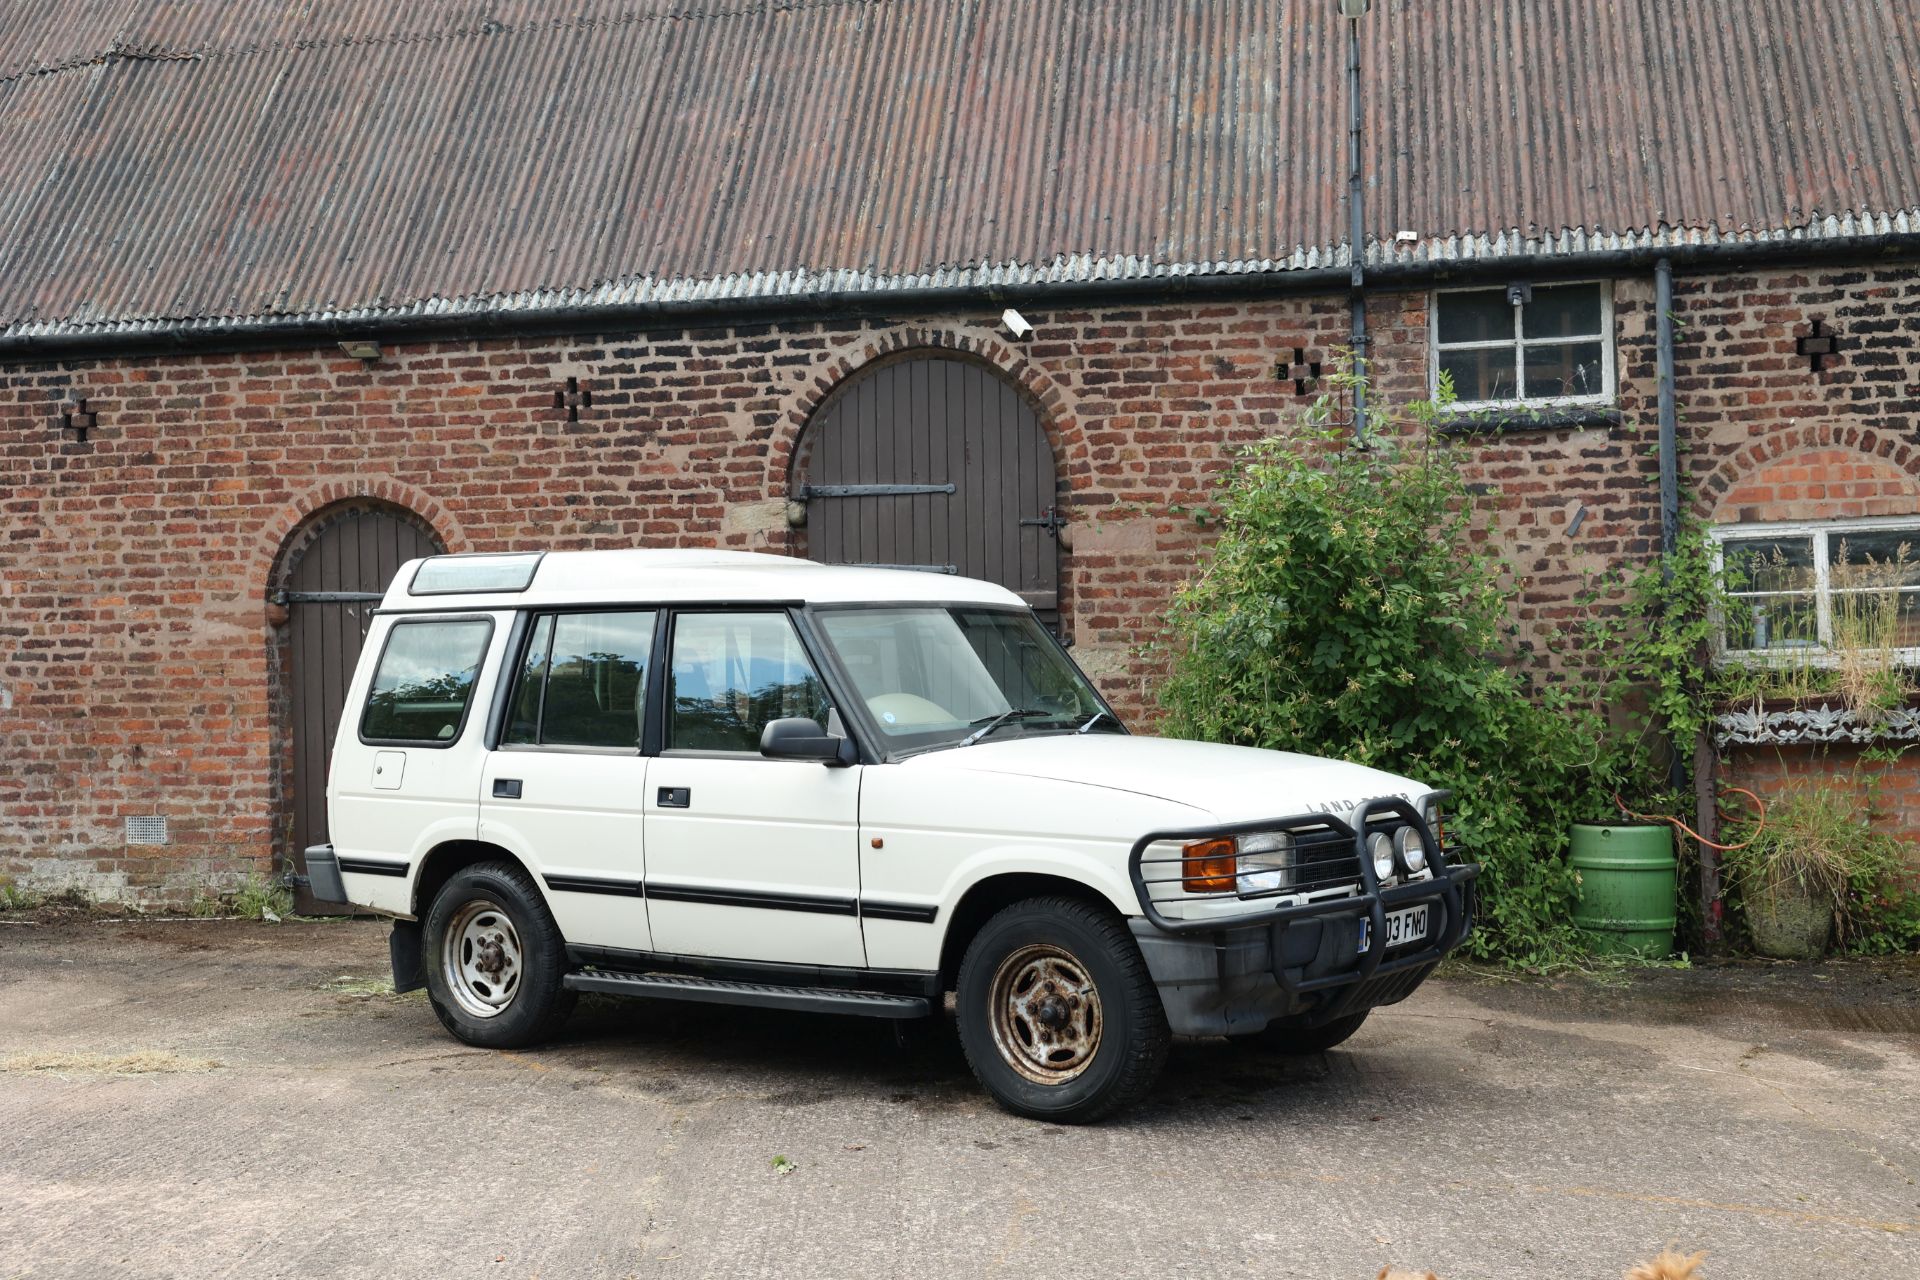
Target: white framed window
[(1554, 347), (1802, 593)]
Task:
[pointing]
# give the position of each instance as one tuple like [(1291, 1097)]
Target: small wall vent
[(146, 828)]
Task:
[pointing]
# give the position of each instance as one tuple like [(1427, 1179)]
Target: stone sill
[(1506, 422)]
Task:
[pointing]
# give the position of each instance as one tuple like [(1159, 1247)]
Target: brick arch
[(1064, 435), (1814, 471), (281, 532)]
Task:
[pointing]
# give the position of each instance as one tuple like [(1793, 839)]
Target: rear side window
[(584, 682), (424, 682)]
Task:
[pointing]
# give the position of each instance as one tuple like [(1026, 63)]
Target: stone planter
[(1788, 919)]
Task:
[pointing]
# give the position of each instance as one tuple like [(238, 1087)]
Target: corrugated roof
[(172, 163)]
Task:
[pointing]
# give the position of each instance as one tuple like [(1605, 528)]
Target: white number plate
[(1402, 927)]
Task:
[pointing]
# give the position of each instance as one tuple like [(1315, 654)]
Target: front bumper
[(1235, 974)]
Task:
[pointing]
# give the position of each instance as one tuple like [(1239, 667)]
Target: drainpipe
[(1678, 753), (1356, 217)]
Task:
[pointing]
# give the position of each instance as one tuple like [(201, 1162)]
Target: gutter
[(278, 333)]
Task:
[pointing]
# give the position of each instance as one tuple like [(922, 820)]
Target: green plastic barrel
[(1627, 887)]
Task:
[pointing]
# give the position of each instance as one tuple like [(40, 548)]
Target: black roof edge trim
[(618, 318)]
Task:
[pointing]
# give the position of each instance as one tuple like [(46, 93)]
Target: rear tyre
[(495, 959), (1057, 1014), (1299, 1042)]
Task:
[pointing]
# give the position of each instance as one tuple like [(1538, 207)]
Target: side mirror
[(799, 738)]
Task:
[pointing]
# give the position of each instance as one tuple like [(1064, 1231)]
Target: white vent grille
[(147, 828)]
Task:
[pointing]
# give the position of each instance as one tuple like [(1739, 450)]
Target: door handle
[(506, 788), (676, 798)]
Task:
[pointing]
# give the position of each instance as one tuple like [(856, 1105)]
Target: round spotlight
[(1413, 854), (1380, 849)]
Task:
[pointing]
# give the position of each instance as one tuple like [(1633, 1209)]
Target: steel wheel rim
[(481, 959), (1045, 1012)]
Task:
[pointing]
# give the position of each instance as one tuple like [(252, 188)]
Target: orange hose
[(1758, 804)]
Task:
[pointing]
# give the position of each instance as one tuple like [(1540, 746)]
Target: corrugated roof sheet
[(179, 163)]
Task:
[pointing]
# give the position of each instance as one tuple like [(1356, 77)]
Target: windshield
[(939, 677)]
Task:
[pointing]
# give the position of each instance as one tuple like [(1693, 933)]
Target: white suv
[(749, 779)]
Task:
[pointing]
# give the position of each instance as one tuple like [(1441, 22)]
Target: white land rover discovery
[(749, 779)]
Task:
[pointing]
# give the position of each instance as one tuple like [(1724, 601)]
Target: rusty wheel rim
[(1046, 1014), (481, 959)]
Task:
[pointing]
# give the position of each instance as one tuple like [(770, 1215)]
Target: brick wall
[(135, 651)]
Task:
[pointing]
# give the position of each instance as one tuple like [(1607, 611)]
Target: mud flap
[(403, 948)]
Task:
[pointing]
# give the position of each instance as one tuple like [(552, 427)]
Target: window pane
[(1562, 311), (1573, 370), (424, 681), (598, 682), (1772, 622), (1875, 560), (523, 726), (1485, 374), (734, 673), (1768, 564), (1477, 315), (1876, 620)]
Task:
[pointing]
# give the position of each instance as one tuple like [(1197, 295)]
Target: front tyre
[(1057, 1014), (495, 960)]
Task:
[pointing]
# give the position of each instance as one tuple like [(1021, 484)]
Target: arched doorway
[(934, 463), (332, 573)]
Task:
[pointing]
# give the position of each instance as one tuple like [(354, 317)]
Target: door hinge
[(1051, 520)]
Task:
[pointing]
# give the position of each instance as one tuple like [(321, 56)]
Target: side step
[(673, 986)]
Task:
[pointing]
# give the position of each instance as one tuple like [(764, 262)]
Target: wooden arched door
[(334, 572), (939, 464)]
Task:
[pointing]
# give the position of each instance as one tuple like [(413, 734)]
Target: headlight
[(1266, 862), (1435, 822), (1406, 843), (1380, 849), (1254, 863)]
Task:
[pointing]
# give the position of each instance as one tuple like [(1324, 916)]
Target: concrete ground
[(226, 1099)]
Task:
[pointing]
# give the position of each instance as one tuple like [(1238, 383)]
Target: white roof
[(643, 576)]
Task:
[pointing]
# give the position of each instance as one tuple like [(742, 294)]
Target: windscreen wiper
[(989, 723), (1096, 718)]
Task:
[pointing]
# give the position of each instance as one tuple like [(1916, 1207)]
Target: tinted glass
[(734, 673), (1476, 315), (1484, 373), (523, 725), (597, 680), (1562, 311), (425, 680), (1555, 371)]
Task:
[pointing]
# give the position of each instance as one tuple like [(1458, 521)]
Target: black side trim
[(593, 884), (921, 982), (373, 867), (666, 986), (744, 898), (913, 913)]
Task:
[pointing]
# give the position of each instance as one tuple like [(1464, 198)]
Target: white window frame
[(1518, 345), (1822, 532)]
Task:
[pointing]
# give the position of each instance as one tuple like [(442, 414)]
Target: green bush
[(1347, 611)]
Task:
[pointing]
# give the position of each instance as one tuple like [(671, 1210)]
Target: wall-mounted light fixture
[(361, 349), (1354, 8), (1015, 324)]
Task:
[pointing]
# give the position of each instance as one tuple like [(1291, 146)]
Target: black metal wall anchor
[(1051, 520), (1818, 345), (1301, 368), (77, 419), (576, 396)]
